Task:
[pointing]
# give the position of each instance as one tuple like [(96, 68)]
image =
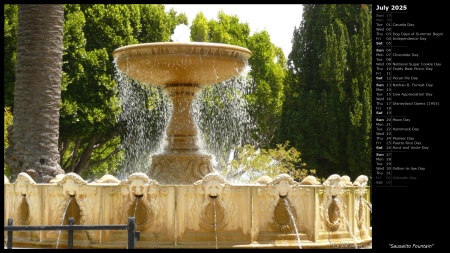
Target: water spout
[(265, 215), (341, 205), (64, 216), (288, 208), (368, 204), (136, 202), (215, 219)]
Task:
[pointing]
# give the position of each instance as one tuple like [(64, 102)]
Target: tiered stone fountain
[(182, 70), (181, 201)]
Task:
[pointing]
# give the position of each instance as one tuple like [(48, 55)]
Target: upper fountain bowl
[(181, 63)]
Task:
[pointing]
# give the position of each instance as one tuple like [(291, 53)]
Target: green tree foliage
[(90, 135), (9, 57), (9, 69), (200, 28), (327, 112), (7, 122), (157, 25), (252, 162), (265, 93), (228, 30), (268, 72), (91, 138)]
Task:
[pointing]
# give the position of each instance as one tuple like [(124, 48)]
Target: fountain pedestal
[(181, 154), (182, 70), (184, 168)]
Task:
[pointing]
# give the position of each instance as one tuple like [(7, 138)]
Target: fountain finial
[(182, 33)]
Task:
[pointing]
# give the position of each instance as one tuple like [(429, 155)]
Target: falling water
[(22, 198), (62, 218), (222, 114), (145, 113), (341, 205), (136, 202), (215, 220), (220, 111), (369, 205), (288, 208)]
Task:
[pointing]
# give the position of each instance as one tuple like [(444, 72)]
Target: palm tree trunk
[(37, 95)]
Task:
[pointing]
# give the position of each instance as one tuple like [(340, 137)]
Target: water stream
[(145, 114), (136, 202), (368, 204), (215, 220), (342, 207), (220, 111), (288, 208), (63, 216)]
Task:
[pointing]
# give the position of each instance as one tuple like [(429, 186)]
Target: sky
[(279, 20)]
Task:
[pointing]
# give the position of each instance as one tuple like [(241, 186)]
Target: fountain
[(182, 69), (211, 213), (181, 201)]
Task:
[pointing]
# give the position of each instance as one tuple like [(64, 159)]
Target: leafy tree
[(268, 72), (251, 163), (9, 56), (9, 68), (200, 28), (33, 143), (228, 30), (258, 95), (90, 135), (158, 25), (90, 105), (8, 120), (327, 112)]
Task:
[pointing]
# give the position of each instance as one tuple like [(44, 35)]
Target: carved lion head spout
[(71, 183), (331, 213), (137, 186), (283, 184), (213, 215), (22, 182), (136, 192), (22, 189), (212, 185), (334, 185)]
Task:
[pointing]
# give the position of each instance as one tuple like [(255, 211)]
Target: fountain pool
[(211, 213)]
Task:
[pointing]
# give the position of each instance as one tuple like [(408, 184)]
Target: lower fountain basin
[(180, 216)]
